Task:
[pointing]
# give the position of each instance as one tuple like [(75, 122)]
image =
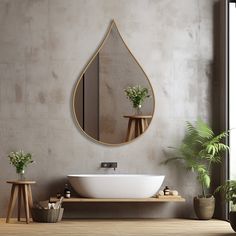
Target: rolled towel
[(161, 193), (174, 192)]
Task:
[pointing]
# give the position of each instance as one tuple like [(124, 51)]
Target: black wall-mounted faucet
[(109, 165)]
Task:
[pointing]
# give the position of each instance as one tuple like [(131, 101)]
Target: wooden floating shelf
[(154, 199)]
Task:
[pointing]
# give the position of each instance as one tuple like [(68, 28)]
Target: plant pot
[(204, 207), (232, 220)]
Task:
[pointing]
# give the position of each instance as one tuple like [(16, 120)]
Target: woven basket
[(47, 215)]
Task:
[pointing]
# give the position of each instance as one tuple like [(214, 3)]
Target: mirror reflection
[(113, 99)]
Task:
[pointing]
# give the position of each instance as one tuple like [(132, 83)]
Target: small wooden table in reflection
[(137, 125)]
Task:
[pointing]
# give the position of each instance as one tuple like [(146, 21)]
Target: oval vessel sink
[(116, 186)]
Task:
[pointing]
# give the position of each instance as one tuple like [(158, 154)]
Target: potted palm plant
[(201, 148), (229, 191)]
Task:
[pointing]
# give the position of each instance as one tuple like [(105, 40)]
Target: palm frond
[(190, 128), (229, 190), (204, 130)]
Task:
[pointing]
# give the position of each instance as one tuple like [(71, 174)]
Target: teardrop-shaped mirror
[(113, 99)]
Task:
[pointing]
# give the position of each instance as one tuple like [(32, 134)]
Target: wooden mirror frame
[(113, 23)]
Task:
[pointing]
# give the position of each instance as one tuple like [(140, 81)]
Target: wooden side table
[(136, 126), (20, 189)]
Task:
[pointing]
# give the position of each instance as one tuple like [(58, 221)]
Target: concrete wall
[(44, 45)]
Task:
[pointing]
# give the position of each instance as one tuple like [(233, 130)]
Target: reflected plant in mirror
[(137, 95), (100, 106)]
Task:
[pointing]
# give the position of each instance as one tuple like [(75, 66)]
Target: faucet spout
[(109, 165)]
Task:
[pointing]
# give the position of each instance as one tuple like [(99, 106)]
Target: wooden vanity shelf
[(153, 199)]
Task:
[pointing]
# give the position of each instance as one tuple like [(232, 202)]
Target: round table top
[(138, 116), (21, 182)]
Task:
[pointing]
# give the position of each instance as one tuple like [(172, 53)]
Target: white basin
[(116, 186)]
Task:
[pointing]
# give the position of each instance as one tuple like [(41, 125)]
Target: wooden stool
[(20, 189), (136, 126)]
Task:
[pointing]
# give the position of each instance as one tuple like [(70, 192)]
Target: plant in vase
[(229, 191), (20, 160), (137, 95), (200, 149)]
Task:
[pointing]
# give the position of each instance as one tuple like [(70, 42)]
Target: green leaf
[(207, 180), (203, 129), (229, 190)]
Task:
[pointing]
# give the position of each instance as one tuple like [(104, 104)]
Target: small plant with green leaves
[(229, 191), (137, 95), (200, 149), (20, 160)]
